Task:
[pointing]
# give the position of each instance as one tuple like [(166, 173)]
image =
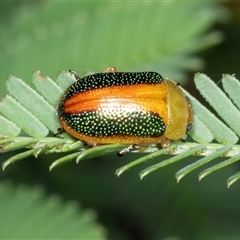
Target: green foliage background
[(163, 36)]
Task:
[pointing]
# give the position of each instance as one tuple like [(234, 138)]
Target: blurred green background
[(175, 39)]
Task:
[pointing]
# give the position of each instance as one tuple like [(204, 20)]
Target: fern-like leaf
[(30, 118), (28, 214), (157, 35)]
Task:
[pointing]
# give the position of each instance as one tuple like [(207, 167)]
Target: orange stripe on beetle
[(125, 107)]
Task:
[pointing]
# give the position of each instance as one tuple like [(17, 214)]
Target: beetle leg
[(110, 70), (90, 144), (165, 142), (74, 74), (128, 149), (59, 131)]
